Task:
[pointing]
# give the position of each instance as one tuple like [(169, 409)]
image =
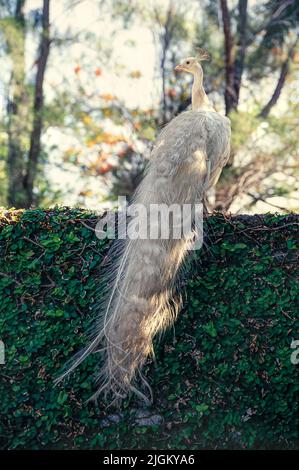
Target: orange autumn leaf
[(98, 72), (107, 112), (296, 57), (105, 138), (171, 92), (135, 74), (95, 166), (69, 151), (77, 69), (108, 97), (103, 156), (91, 142), (86, 119), (111, 139), (105, 168), (86, 193)]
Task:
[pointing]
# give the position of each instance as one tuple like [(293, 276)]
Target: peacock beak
[(179, 68)]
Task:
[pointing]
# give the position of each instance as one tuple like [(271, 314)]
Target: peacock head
[(192, 64)]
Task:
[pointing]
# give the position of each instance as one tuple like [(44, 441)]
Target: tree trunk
[(166, 38), (230, 95), (241, 49), (35, 138), (16, 110), (234, 67)]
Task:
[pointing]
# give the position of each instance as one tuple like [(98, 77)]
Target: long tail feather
[(141, 277)]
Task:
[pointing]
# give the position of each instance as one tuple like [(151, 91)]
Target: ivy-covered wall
[(222, 379)]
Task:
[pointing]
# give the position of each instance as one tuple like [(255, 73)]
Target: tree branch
[(258, 198), (280, 83)]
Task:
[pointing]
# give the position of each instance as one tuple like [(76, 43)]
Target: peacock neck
[(199, 97)]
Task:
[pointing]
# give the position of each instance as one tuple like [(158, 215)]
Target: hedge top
[(224, 379)]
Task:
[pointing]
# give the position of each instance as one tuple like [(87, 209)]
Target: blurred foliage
[(225, 380), (110, 139)]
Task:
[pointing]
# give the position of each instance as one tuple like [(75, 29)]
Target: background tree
[(23, 137), (259, 49)]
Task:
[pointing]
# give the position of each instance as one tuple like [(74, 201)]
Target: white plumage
[(185, 162)]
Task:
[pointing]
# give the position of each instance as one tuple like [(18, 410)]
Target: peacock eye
[(187, 62)]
